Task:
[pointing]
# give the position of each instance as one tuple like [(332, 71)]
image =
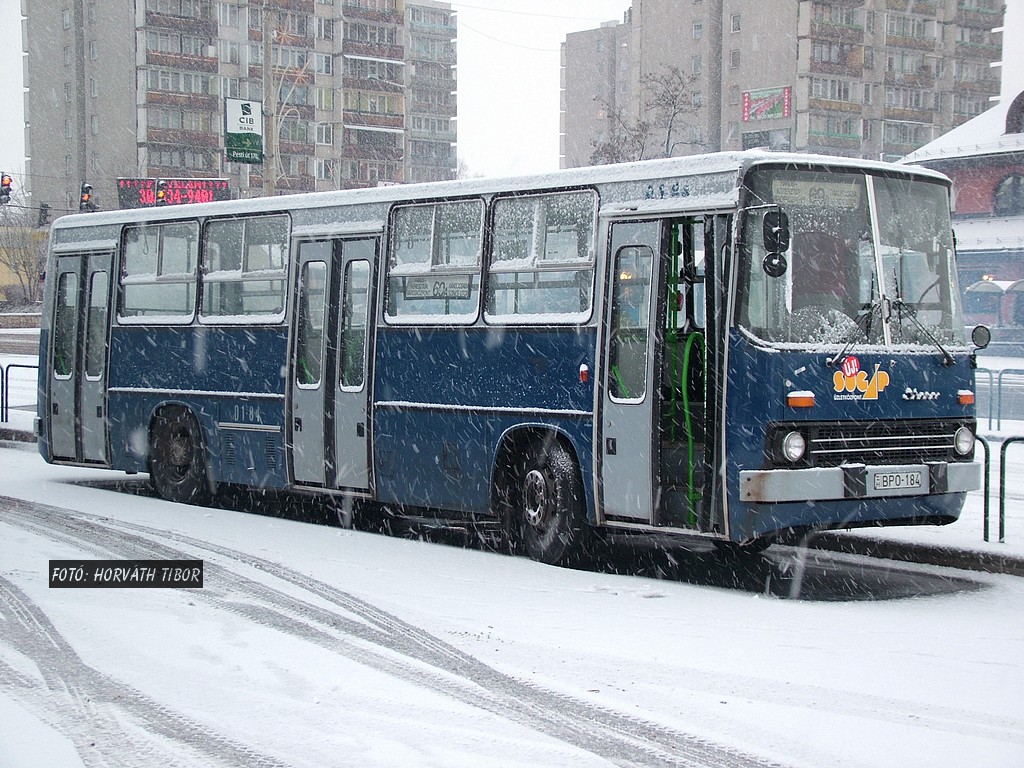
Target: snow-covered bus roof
[(710, 180)]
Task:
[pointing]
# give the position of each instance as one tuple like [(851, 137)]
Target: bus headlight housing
[(963, 441), (792, 446)]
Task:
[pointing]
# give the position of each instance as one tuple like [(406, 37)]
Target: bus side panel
[(232, 379), (444, 397), (917, 387)]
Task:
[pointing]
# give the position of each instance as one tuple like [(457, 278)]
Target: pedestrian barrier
[(1002, 488), (5, 389)]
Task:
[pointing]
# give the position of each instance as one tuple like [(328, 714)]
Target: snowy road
[(310, 645)]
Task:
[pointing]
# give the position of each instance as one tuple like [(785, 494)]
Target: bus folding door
[(78, 358), (329, 431)]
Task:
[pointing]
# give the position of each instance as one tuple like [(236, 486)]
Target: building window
[(1009, 196), (94, 121), (227, 14), (67, 91), (324, 64), (94, 51), (698, 30), (94, 88), (697, 65), (228, 51), (325, 169), (734, 58), (324, 133), (325, 29), (65, 17), (831, 89), (735, 22), (696, 99), (325, 98)]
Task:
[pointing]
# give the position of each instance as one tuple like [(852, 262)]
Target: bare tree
[(667, 100), (22, 252), (627, 141), (668, 96)]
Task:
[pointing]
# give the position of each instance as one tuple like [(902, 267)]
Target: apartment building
[(349, 91), (858, 78)]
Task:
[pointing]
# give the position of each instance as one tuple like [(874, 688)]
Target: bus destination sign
[(142, 193)]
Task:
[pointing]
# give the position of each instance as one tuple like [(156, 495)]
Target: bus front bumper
[(858, 481)]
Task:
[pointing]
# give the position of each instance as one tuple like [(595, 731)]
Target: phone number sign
[(142, 193)]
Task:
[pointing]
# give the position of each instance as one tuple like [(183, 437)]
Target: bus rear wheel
[(177, 462), (549, 507)]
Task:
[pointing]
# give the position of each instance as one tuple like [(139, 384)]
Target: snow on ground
[(929, 681), (311, 645)]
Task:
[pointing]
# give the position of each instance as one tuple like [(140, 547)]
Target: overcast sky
[(508, 78)]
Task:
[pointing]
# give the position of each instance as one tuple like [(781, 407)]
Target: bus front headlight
[(963, 441), (793, 446)]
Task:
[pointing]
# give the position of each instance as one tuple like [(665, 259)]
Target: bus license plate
[(898, 481)]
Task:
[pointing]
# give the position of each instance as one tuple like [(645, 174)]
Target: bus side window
[(631, 298), (309, 346), (683, 363)]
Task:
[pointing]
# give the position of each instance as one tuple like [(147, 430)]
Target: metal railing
[(5, 389)]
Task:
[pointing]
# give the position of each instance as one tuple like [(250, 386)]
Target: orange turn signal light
[(966, 397), (800, 399)]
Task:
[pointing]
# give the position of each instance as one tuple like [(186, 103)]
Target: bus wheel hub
[(537, 499)]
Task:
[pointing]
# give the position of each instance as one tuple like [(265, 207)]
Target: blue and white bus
[(736, 346)]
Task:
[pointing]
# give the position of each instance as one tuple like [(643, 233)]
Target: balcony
[(842, 33), (923, 78), (183, 24), (355, 12), (356, 119), (374, 50), (184, 139), (978, 18), (183, 61)]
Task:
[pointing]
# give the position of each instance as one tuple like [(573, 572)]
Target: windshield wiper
[(856, 332), (898, 303)]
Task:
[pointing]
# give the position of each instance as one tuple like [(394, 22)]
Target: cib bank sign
[(243, 131)]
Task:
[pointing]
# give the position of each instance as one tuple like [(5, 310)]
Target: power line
[(506, 42), (524, 13)]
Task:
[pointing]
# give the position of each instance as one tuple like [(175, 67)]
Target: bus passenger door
[(329, 430), (351, 459), (78, 366), (310, 389), (625, 431)]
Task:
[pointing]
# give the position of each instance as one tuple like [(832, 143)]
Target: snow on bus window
[(434, 260), (243, 269), (158, 273), (541, 267)]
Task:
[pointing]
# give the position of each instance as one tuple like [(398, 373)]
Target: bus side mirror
[(981, 336), (775, 231)]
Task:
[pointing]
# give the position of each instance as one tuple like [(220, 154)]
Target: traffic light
[(86, 203), (161, 192), (5, 188)]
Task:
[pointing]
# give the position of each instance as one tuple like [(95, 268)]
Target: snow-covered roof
[(1000, 234), (982, 135)]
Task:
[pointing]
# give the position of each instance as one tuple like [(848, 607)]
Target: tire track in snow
[(386, 643), (110, 723)]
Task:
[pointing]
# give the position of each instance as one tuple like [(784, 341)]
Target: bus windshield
[(869, 259)]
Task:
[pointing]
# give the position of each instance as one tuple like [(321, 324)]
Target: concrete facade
[(857, 78), (359, 92)]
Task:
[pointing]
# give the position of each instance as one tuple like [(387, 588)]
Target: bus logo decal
[(852, 383)]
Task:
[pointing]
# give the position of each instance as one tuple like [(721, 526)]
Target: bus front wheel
[(550, 507), (177, 462)]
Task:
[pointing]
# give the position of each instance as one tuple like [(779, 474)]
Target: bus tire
[(549, 507), (177, 460)]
